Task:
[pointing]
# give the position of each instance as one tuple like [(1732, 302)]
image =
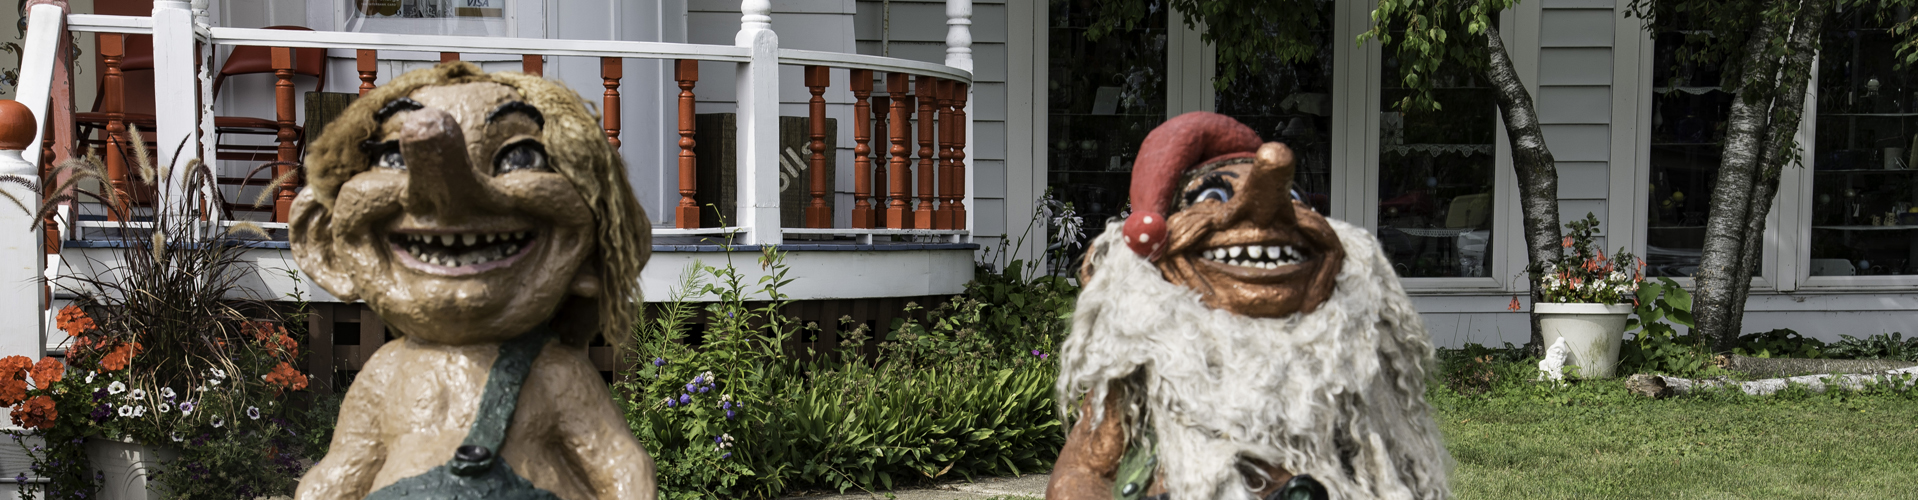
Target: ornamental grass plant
[(164, 348)]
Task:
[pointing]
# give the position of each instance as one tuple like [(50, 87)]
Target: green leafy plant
[(1656, 346), (1881, 346), (1779, 343)]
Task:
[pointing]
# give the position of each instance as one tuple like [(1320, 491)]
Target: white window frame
[(1800, 180)]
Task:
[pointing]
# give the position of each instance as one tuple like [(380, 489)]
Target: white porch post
[(22, 259), (959, 55), (758, 121), (178, 137)]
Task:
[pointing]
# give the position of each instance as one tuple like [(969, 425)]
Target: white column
[(22, 259), (46, 27), (959, 55), (758, 137), (178, 137)]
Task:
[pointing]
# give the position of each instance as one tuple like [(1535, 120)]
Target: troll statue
[(488, 222), (1231, 343)]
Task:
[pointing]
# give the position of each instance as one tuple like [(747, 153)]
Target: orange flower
[(1601, 254), (285, 376), (37, 413), (73, 320), (120, 357), (15, 367), (47, 372), (12, 391), (1567, 243), (1515, 305), (285, 344)]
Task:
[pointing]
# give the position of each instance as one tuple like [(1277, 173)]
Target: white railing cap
[(875, 63)]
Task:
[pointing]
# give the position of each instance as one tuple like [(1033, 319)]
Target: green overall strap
[(481, 448)]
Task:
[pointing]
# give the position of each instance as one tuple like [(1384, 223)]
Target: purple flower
[(22, 478), (729, 415), (719, 440), (1043, 356), (692, 387), (699, 379), (685, 398), (100, 394), (1035, 352), (704, 388), (727, 405), (727, 455), (670, 402), (659, 361)]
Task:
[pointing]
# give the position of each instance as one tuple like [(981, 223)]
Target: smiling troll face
[(1231, 343), (488, 222)]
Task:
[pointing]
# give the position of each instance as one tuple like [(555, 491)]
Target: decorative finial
[(755, 15)]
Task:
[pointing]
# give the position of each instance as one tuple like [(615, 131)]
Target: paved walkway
[(1028, 486)]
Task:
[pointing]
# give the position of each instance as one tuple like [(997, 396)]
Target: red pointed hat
[(1186, 141)]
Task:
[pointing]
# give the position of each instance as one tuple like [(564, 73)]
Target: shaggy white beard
[(1338, 393)]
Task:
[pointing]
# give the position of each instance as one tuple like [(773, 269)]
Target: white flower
[(163, 408), (126, 411), (253, 412), (218, 422), (116, 387), (90, 376), (167, 392), (213, 382), (137, 394), (140, 411), (176, 437), (186, 408), (217, 374)]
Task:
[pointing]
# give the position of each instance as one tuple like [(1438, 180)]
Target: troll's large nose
[(1265, 199), (441, 181)]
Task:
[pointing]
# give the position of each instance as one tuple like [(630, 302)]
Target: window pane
[(1292, 103), (1436, 175), (1104, 97), (1864, 191), (1688, 128)]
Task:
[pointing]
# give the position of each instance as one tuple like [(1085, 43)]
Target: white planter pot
[(1592, 331), (125, 467)]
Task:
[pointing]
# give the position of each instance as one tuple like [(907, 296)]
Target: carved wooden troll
[(1243, 347), (488, 222)]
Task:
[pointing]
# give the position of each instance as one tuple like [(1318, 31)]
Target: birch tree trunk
[(1531, 160), (1780, 146), (1731, 205)]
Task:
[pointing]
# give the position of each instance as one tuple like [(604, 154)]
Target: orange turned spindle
[(861, 135), (368, 62), (926, 91), (818, 215), (880, 105), (112, 51), (942, 217), (957, 206), (289, 150), (611, 69), (898, 213), (533, 64), (686, 71)]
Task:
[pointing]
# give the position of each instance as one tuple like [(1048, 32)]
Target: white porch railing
[(184, 42)]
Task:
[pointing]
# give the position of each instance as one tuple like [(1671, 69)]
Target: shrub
[(1881, 346), (967, 392)]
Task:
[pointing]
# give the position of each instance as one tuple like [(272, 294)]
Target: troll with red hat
[(1238, 345)]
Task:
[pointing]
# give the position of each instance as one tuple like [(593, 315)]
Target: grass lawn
[(1593, 440)]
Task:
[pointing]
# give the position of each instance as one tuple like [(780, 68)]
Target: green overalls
[(476, 471)]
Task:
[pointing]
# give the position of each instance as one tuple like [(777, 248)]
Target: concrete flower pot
[(126, 467), (1592, 331)]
